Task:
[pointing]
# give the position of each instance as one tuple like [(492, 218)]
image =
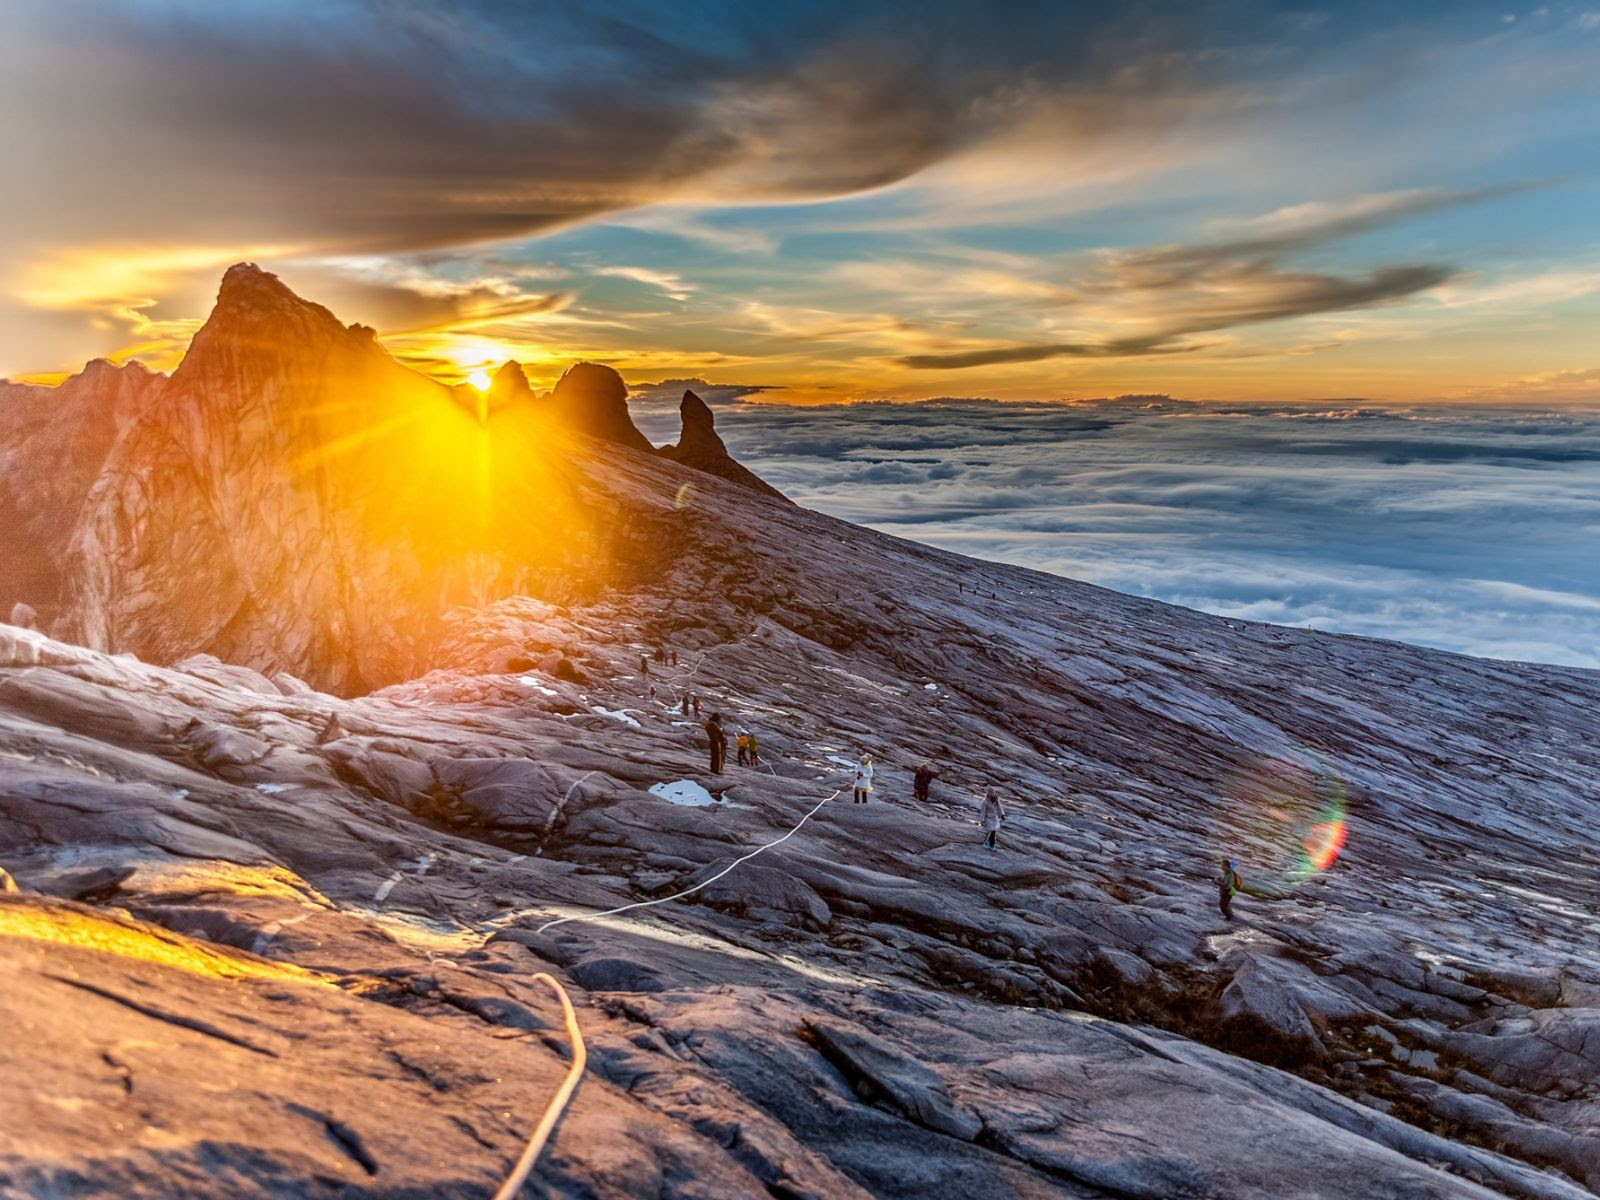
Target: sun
[(480, 380)]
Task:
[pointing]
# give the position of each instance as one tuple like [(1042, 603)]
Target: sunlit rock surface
[(274, 942), (295, 500)]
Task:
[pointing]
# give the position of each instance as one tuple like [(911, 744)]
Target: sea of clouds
[(1475, 530)]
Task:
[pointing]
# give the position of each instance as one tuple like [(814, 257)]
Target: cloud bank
[(1468, 530)]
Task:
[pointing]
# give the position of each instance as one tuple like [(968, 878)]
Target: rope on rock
[(558, 1103), (611, 912)]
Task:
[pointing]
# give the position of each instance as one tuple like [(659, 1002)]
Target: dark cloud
[(398, 125), (1230, 294), (1038, 351), (672, 390), (398, 308)]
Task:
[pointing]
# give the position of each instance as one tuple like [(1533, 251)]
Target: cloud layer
[(1467, 530)]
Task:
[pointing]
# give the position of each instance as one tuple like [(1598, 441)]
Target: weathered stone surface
[(591, 398), (1074, 992)]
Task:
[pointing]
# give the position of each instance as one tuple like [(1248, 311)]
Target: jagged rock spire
[(701, 447)]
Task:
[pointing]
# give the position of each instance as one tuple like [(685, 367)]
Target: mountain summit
[(336, 504)]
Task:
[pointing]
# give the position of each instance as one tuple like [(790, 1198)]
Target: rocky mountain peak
[(257, 316), (699, 427), (701, 447), (591, 398), (509, 385)]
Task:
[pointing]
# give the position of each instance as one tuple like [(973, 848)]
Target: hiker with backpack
[(990, 816), (863, 781), (717, 741), (1229, 884), (743, 744), (755, 748)]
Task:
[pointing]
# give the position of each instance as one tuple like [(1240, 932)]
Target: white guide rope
[(558, 1103), (611, 912), (580, 1056)]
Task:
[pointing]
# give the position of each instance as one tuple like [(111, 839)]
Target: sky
[(1467, 528), (829, 201)]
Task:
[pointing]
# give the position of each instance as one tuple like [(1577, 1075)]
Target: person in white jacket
[(863, 784), (990, 816)]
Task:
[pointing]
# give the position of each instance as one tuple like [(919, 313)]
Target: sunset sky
[(829, 201)]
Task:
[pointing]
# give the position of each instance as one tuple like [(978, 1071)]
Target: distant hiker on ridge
[(863, 783), (990, 816), (922, 781), (755, 749), (644, 665), (743, 744), (717, 741), (686, 704), (696, 700)]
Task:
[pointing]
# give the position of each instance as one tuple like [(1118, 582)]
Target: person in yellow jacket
[(743, 744)]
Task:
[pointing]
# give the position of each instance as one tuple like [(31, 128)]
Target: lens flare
[(1282, 816)]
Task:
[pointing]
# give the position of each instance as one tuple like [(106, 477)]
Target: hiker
[(755, 749), (743, 743), (673, 657), (718, 741), (696, 699), (1229, 884), (863, 783), (990, 816), (686, 704), (922, 781), (644, 665)]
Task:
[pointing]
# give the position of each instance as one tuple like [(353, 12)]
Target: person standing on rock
[(755, 748), (990, 816), (644, 665), (1229, 884), (743, 744), (686, 704), (717, 740), (922, 781), (863, 783), (696, 701)]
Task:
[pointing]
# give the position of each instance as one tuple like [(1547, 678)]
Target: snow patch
[(272, 789), (530, 681), (683, 791), (616, 714)]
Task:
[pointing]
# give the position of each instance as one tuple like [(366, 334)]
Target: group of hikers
[(991, 812), (746, 743)]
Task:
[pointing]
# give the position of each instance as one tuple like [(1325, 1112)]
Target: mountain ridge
[(341, 898)]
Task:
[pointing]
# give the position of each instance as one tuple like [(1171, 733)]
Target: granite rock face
[(294, 500), (591, 398), (229, 877), (53, 447), (271, 941)]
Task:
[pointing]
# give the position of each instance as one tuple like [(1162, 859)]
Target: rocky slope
[(274, 942)]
